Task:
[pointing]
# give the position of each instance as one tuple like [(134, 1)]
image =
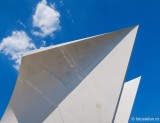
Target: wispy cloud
[(43, 45), (45, 19), (21, 23), (61, 2), (15, 46), (70, 15)]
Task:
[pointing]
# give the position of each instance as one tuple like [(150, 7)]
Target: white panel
[(96, 97), (127, 100), (84, 76), (69, 119)]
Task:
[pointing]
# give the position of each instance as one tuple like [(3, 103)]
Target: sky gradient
[(76, 19)]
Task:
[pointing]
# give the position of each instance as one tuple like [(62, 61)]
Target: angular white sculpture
[(75, 82), (126, 101)]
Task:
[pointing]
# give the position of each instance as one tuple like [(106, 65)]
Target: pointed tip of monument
[(135, 80), (138, 79), (135, 27), (132, 29), (127, 30)]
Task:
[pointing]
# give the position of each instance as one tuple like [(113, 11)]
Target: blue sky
[(23, 21)]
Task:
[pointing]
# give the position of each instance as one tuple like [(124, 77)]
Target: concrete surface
[(75, 82)]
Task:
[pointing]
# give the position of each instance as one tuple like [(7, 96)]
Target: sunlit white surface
[(77, 82)]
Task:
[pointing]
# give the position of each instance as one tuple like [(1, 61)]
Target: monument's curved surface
[(75, 82)]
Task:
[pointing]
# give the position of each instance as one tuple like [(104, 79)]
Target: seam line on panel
[(60, 114)]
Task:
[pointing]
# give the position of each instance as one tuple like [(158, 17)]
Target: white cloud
[(43, 45), (15, 46), (45, 19)]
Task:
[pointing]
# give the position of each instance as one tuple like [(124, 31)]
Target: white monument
[(76, 82)]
